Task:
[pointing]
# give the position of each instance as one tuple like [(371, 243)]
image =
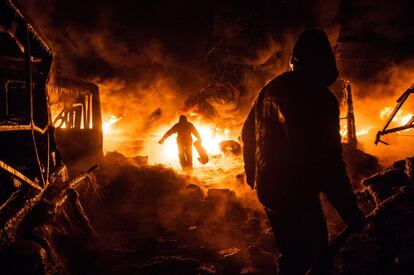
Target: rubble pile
[(385, 247), (153, 221)]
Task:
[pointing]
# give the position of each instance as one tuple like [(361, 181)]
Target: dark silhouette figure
[(184, 129), (292, 152)]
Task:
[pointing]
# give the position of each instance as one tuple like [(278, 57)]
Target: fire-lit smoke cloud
[(375, 53), (373, 103), (144, 56), (155, 59)]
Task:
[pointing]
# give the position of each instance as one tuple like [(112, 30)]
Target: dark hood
[(313, 54)]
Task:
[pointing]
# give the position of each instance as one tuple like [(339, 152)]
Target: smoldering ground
[(145, 212), (151, 220)]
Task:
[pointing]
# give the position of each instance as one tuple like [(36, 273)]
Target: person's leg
[(292, 259), (189, 155), (181, 155), (323, 263), (301, 235)]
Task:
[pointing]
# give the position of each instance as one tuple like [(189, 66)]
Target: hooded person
[(184, 130), (292, 152)]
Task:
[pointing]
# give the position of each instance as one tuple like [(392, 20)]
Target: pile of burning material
[(386, 246), (157, 221)]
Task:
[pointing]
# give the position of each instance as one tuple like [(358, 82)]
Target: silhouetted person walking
[(184, 129), (292, 152)]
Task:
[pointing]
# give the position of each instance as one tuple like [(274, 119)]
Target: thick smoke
[(163, 58), (375, 53), (144, 56), (210, 58), (370, 117)]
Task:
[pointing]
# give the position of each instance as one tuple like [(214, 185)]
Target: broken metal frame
[(24, 43), (55, 200), (27, 210), (410, 124)]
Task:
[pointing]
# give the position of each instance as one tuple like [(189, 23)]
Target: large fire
[(116, 139), (400, 119), (167, 154), (211, 138)]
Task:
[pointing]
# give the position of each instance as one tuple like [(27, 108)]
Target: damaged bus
[(37, 200), (28, 154), (76, 116)]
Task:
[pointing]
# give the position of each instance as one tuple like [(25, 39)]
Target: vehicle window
[(70, 108), (9, 48), (16, 99)]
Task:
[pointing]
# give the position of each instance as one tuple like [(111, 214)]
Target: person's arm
[(338, 189), (195, 132), (173, 130), (248, 136)]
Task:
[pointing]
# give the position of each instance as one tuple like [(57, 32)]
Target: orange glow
[(107, 125), (405, 119), (400, 119), (211, 138), (361, 131), (385, 112)]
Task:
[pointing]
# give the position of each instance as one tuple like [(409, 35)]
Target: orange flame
[(107, 125), (211, 138), (400, 119)]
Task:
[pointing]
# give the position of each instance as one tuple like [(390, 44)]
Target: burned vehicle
[(76, 116), (28, 154), (34, 185)]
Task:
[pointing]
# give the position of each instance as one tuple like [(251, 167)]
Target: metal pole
[(29, 80), (352, 138)]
